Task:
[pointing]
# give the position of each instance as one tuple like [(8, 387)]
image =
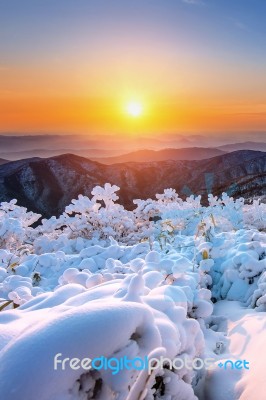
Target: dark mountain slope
[(48, 185)]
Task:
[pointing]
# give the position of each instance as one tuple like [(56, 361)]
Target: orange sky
[(86, 115)]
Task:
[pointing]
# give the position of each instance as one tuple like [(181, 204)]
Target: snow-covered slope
[(101, 282), (245, 330)]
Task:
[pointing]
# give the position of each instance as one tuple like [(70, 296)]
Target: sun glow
[(134, 109)]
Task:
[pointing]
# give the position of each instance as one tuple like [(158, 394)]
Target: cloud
[(238, 24), (195, 2)]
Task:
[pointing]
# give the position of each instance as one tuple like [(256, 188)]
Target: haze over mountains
[(259, 146), (104, 146), (48, 185), (193, 153)]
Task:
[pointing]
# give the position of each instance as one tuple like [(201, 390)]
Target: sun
[(134, 109)]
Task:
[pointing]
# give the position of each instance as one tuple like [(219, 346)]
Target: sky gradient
[(71, 66)]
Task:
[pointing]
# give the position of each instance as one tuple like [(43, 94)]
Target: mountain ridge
[(48, 185), (255, 146), (187, 153)]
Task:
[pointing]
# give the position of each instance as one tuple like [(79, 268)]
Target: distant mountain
[(102, 155), (48, 185), (15, 147), (257, 146), (46, 153), (98, 146), (192, 153), (2, 161)]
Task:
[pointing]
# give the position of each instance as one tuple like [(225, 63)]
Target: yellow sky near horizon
[(86, 115)]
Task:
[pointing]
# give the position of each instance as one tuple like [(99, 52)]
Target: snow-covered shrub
[(15, 225), (238, 262), (259, 295)]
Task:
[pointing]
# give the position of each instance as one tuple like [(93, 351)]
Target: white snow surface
[(246, 340), (103, 281)]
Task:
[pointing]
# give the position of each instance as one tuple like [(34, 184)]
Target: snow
[(95, 326), (171, 278), (246, 333)]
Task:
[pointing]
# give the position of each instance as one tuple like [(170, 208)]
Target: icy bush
[(15, 225)]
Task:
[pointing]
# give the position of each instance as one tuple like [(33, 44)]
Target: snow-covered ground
[(170, 279), (245, 330)]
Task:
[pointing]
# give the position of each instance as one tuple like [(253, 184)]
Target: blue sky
[(36, 26)]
